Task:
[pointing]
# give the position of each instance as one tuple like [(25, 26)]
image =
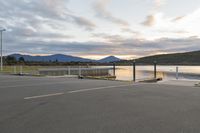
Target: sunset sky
[(98, 28)]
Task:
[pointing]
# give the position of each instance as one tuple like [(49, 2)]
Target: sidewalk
[(181, 82)]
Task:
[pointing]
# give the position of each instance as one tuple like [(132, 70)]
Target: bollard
[(113, 69), (96, 71), (155, 70), (15, 70), (134, 72), (21, 70), (69, 73), (79, 71), (177, 73)]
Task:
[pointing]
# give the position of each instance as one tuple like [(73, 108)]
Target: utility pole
[(1, 32)]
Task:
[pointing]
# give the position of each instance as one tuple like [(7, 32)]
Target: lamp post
[(1, 32)]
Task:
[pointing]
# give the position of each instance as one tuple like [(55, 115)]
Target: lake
[(165, 72)]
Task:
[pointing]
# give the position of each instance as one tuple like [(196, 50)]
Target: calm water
[(166, 72)]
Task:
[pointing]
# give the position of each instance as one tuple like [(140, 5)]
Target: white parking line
[(30, 85), (41, 96), (76, 91), (98, 88)]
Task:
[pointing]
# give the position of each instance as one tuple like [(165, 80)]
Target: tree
[(21, 60), (10, 60)]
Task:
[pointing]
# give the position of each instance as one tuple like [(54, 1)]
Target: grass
[(34, 70), (25, 69)]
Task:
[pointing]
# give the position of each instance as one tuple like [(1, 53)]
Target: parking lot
[(69, 105)]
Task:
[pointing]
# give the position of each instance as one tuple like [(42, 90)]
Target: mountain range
[(63, 58), (109, 59), (186, 58)]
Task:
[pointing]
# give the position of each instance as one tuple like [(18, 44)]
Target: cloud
[(158, 4), (49, 27), (33, 25), (81, 21), (188, 22), (130, 31), (115, 44), (101, 11), (178, 18), (150, 21), (151, 18), (174, 31), (45, 10), (114, 39), (180, 26), (128, 46)]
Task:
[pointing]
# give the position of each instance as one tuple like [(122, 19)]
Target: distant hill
[(109, 59), (188, 58), (63, 58), (58, 57)]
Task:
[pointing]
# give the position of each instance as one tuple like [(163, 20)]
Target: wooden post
[(15, 70), (177, 73), (69, 73), (79, 70), (21, 70), (155, 70), (114, 69), (134, 72)]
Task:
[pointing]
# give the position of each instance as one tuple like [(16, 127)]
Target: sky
[(95, 29)]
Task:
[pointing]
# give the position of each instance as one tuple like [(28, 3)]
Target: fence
[(141, 72), (134, 72), (75, 71)]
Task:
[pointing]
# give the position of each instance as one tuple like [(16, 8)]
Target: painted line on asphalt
[(18, 80), (42, 96), (76, 91), (30, 85), (98, 88)]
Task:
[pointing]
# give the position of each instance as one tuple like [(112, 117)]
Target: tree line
[(11, 60)]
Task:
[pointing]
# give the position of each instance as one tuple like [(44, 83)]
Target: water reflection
[(165, 72)]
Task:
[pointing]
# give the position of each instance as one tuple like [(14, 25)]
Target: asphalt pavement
[(69, 105)]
